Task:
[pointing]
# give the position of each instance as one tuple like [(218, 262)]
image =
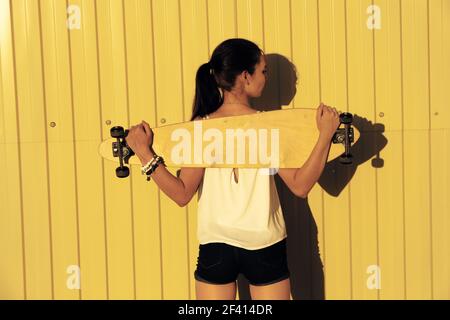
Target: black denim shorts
[(221, 263)]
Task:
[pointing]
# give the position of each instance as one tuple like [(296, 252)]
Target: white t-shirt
[(244, 214)]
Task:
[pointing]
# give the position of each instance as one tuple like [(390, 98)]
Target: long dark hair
[(229, 59)]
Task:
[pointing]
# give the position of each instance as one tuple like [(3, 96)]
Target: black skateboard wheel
[(117, 132), (346, 118), (122, 172)]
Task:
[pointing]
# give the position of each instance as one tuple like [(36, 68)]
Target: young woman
[(240, 222)]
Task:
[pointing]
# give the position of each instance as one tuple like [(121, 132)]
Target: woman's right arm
[(180, 189)]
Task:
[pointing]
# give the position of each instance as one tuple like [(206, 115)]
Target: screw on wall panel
[(52, 124), (436, 113), (163, 120), (108, 122), (381, 114)]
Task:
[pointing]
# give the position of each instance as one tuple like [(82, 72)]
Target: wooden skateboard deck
[(270, 139)]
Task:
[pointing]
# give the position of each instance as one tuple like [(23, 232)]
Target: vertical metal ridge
[(291, 43), (156, 121), (429, 152), (133, 248), (263, 25), (321, 190), (105, 226), (16, 97), (376, 169), (184, 119), (235, 19), (349, 184), (207, 29), (403, 150), (44, 96), (74, 147)]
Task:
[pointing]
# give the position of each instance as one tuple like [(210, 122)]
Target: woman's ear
[(246, 76)]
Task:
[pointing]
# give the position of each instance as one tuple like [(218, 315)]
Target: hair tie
[(210, 68)]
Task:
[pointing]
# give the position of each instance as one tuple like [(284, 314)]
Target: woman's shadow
[(304, 257)]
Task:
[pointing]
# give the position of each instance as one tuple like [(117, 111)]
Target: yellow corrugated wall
[(62, 88)]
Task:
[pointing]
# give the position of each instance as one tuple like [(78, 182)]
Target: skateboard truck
[(345, 136), (121, 150)]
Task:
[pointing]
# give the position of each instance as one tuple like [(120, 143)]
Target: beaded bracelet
[(147, 166), (153, 166)]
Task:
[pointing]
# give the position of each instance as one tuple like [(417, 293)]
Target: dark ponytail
[(229, 59), (207, 94)]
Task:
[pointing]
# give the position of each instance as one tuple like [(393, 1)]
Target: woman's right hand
[(328, 121), (140, 139)]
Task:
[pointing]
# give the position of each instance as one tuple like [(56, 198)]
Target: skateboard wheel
[(346, 159), (346, 118), (117, 132), (122, 172)]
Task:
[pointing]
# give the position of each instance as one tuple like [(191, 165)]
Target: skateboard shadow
[(336, 176), (304, 257)]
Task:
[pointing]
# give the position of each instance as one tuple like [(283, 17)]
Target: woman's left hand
[(140, 139)]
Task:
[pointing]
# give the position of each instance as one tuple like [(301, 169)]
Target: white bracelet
[(148, 165)]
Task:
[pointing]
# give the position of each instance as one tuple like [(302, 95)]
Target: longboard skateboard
[(271, 139)]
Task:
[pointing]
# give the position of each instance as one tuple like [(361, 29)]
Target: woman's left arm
[(301, 180)]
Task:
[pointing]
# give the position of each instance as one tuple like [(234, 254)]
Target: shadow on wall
[(304, 259)]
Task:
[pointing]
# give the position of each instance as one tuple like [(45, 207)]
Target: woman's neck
[(235, 102)]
